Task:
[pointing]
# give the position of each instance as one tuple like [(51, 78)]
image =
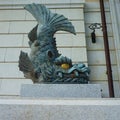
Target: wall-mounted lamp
[(93, 27)]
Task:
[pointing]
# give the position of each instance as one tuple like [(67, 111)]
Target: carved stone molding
[(18, 4)]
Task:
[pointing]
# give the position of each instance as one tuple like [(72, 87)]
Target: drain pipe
[(107, 52)]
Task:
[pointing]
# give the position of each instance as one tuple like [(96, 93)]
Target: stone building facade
[(15, 23)]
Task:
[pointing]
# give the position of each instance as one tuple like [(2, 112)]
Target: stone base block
[(61, 90), (61, 109)]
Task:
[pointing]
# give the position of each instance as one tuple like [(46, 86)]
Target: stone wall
[(17, 22), (95, 52), (59, 109)]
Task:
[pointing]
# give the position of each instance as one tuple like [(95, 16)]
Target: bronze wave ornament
[(45, 64)]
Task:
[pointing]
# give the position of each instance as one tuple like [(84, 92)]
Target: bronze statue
[(45, 64)]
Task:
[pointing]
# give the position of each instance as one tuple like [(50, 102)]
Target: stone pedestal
[(61, 90)]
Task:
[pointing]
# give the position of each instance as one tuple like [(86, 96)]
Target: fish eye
[(37, 43), (50, 54)]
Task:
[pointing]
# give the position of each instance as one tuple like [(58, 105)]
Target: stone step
[(59, 109), (61, 90)]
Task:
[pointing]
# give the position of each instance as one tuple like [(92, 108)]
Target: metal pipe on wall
[(107, 52)]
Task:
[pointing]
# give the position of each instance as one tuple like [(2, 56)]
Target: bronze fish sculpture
[(45, 64)]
